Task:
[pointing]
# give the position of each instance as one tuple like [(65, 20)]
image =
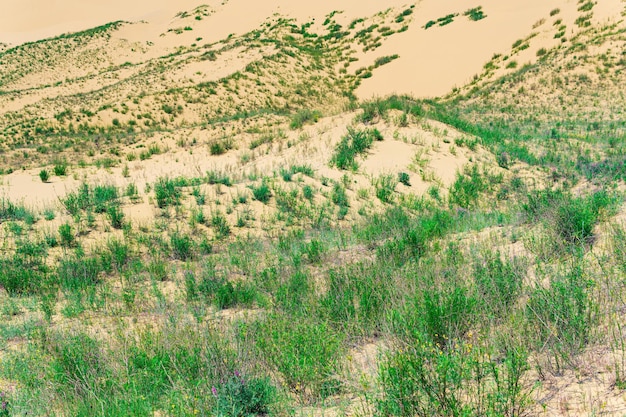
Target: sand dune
[(431, 62)]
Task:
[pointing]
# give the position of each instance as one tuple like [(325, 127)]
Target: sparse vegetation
[(299, 272)]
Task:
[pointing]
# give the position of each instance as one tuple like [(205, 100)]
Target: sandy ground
[(431, 63)]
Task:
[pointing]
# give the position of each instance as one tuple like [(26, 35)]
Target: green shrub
[(12, 212), (98, 199), (44, 175), (67, 235), (60, 170), (354, 143), (181, 246), (339, 196), (78, 365), (222, 292), (416, 238), (217, 148), (25, 272), (166, 193), (358, 298), (116, 216), (103, 196), (240, 396), (303, 117), (220, 225), (307, 353), (475, 14), (262, 192), (404, 178), (308, 192), (421, 379), (385, 187), (468, 187), (498, 282), (77, 271), (559, 316), (214, 177)]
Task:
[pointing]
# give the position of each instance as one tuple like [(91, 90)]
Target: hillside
[(244, 208)]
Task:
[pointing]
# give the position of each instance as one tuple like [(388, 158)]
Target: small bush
[(475, 14), (220, 225), (303, 117), (116, 216), (44, 175), (223, 293), (307, 353), (166, 193), (60, 170), (339, 196), (181, 246), (217, 148), (240, 396), (354, 143), (67, 235), (468, 187), (559, 316), (385, 187), (404, 178), (262, 192)]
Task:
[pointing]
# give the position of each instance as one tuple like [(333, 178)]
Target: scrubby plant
[(303, 117), (67, 235), (353, 144), (404, 178), (220, 225), (307, 354), (116, 216), (261, 192), (385, 187), (182, 246), (468, 187), (166, 193), (44, 175), (60, 169)]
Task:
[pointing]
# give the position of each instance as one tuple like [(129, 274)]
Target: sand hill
[(319, 196)]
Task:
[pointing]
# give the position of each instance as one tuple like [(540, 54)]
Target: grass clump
[(353, 144), (97, 199), (570, 219), (475, 14), (166, 192), (12, 212), (303, 117), (468, 187), (262, 192), (307, 354), (375, 109), (44, 175)]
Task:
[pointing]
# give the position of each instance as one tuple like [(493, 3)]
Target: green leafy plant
[(44, 175)]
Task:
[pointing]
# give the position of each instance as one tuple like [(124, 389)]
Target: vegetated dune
[(431, 62), (170, 169)]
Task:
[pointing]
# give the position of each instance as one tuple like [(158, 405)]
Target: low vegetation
[(286, 278)]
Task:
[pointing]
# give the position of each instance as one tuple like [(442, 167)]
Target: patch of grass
[(220, 225), (182, 246), (353, 144), (475, 14), (307, 354), (385, 186), (303, 117), (166, 193), (44, 175), (468, 187), (262, 192)]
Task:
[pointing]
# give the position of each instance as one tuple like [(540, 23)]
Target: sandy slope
[(431, 62)]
